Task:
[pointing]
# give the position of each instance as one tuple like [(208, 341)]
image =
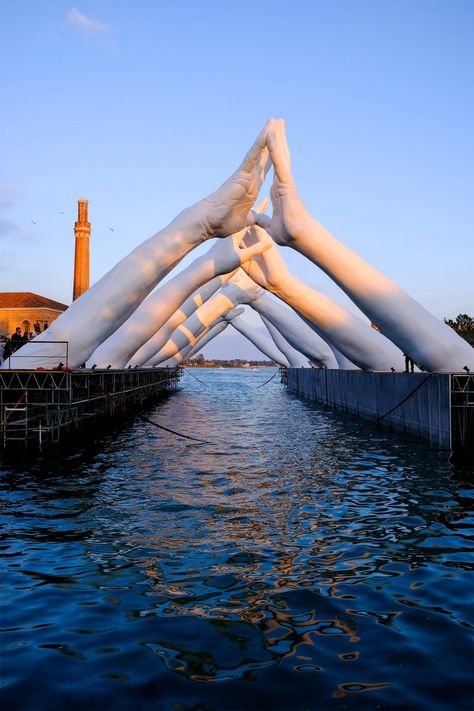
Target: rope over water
[(267, 381), (186, 370), (151, 422), (378, 419)]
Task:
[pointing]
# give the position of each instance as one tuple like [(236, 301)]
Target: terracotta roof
[(28, 300)]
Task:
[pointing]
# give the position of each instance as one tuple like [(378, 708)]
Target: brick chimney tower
[(82, 231)]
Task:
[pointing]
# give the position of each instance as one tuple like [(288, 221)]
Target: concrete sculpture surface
[(356, 340), (294, 357), (117, 294), (192, 348), (134, 330), (223, 257), (295, 331), (114, 322), (227, 298), (429, 342), (194, 331), (158, 340), (264, 344)]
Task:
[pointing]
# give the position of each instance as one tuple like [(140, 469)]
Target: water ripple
[(287, 565)]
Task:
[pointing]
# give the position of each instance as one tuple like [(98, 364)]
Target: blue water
[(285, 565)]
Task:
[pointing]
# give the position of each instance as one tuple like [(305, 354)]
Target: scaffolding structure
[(38, 406)]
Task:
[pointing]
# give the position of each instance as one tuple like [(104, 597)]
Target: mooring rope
[(378, 419), (151, 422), (186, 370), (267, 381)]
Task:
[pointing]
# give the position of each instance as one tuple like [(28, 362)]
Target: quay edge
[(441, 410)]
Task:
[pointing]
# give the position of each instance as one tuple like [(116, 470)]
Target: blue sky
[(144, 107)]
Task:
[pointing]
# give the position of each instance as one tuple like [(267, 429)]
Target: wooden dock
[(38, 406)]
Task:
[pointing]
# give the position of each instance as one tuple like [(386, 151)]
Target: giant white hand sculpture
[(186, 337), (101, 310), (361, 344), (259, 340), (158, 340), (226, 298), (195, 347), (223, 257), (429, 342), (295, 331), (213, 331), (294, 357)]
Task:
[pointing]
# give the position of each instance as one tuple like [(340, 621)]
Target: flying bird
[(35, 223), (111, 229)]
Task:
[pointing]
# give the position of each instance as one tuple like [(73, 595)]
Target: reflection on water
[(283, 566)]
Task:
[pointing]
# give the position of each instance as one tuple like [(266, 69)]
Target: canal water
[(285, 564)]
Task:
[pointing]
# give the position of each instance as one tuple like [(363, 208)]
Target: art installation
[(128, 328), (193, 333), (294, 357), (259, 340), (295, 331), (132, 332), (357, 341), (117, 294), (206, 315), (208, 335), (430, 343), (159, 339)]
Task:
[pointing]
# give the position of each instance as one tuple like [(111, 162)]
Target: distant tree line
[(200, 362), (464, 326)]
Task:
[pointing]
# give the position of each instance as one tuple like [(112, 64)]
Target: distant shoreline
[(200, 362)]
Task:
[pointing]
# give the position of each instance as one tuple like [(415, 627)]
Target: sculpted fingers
[(262, 220), (247, 253), (279, 154), (256, 152), (284, 142)]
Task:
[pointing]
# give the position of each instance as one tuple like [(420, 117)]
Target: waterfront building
[(33, 313)]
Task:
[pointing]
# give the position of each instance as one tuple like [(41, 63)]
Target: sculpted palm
[(289, 211), (229, 209)]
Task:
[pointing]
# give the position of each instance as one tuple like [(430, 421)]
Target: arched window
[(26, 328)]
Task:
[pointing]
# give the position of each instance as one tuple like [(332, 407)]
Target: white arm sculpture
[(362, 345), (193, 339), (195, 347), (109, 302), (429, 342), (223, 257), (156, 342), (295, 331), (294, 357), (259, 340), (226, 298)]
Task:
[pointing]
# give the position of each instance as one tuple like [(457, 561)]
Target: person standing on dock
[(17, 339)]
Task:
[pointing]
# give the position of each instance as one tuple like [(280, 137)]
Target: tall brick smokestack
[(82, 231)]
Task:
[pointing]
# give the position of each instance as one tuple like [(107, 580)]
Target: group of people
[(12, 344)]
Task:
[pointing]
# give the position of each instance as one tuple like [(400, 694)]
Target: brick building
[(31, 312)]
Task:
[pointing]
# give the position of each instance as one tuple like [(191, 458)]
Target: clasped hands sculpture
[(93, 321)]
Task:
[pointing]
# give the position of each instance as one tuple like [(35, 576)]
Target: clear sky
[(144, 107)]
